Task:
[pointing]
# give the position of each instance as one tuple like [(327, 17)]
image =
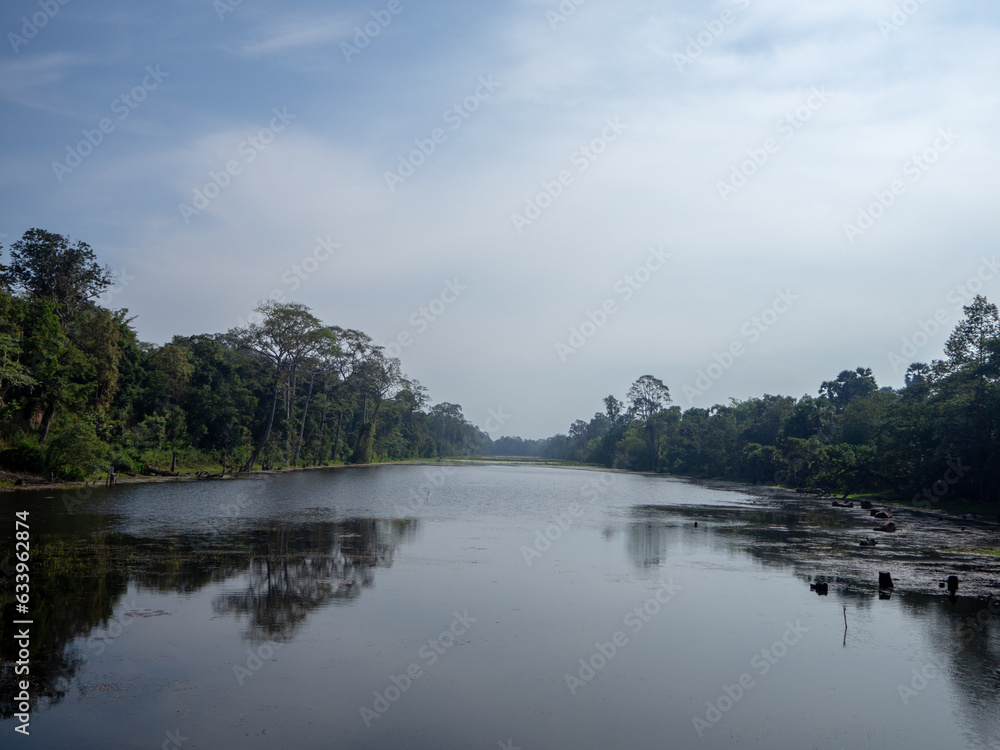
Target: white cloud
[(292, 35)]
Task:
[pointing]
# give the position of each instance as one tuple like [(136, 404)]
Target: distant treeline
[(935, 439), (79, 392)]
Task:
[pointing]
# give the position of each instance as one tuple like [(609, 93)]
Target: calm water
[(471, 607)]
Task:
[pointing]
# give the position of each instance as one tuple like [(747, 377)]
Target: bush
[(124, 461), (25, 457), (75, 452)]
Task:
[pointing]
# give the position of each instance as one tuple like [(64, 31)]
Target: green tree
[(75, 451), (971, 343), (849, 385), (47, 266), (287, 335), (648, 397)]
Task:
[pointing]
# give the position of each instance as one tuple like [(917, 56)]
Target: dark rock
[(885, 580), (883, 515), (866, 504), (952, 583), (887, 527)]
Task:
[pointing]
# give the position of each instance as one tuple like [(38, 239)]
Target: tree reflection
[(295, 570), (286, 571)]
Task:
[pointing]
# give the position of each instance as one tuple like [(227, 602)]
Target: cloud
[(656, 185), (32, 81), (292, 35)]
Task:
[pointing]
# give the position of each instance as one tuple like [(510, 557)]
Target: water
[(425, 607)]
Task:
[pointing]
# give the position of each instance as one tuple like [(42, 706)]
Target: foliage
[(936, 439), (79, 392)]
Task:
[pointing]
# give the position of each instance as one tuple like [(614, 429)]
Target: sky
[(530, 203)]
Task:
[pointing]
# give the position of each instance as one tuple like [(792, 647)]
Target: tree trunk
[(48, 423), (270, 423), (336, 440), (302, 426), (322, 428), (173, 459), (290, 386), (363, 449)]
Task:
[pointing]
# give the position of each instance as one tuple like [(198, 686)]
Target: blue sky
[(822, 175)]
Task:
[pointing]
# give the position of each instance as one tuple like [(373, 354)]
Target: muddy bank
[(834, 544)]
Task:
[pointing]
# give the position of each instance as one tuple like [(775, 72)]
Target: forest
[(935, 440), (80, 394)]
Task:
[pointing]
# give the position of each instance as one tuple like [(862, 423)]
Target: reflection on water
[(295, 560), (277, 574), (294, 571), (960, 632)]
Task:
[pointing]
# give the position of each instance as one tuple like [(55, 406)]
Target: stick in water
[(845, 625)]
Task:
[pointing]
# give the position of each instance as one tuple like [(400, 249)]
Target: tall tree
[(47, 266), (286, 336), (376, 377), (647, 397), (972, 341), (849, 385)]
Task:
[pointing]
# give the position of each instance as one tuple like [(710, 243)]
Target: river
[(473, 606)]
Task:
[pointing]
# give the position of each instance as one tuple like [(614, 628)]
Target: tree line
[(935, 439), (80, 393)]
